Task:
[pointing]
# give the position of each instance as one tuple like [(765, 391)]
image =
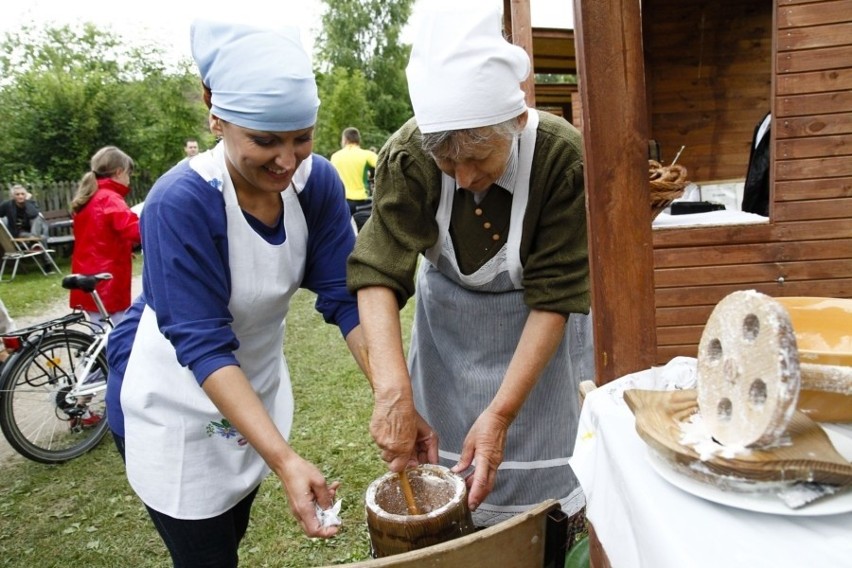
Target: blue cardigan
[(186, 278)]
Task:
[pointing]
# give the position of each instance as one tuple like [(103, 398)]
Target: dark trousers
[(354, 203), (202, 543)]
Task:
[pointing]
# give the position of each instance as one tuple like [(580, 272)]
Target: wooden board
[(519, 542), (809, 457)]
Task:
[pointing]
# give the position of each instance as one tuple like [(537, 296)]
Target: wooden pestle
[(408, 493)]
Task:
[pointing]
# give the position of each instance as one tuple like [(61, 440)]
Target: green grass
[(31, 292), (84, 512)]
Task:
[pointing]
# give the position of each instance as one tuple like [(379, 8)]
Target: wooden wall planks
[(806, 248)]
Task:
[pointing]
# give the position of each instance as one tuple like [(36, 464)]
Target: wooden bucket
[(441, 497)]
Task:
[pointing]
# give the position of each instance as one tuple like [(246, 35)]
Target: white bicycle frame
[(82, 371), (90, 357)]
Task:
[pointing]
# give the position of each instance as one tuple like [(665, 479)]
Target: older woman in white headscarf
[(490, 192), (199, 394)]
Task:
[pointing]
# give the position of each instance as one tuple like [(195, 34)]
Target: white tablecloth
[(643, 521), (710, 218)]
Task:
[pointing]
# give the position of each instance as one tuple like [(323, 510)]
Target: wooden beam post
[(517, 23), (615, 127)]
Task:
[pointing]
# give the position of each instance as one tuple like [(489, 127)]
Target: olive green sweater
[(554, 248)]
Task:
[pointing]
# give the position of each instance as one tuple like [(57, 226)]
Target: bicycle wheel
[(39, 415)]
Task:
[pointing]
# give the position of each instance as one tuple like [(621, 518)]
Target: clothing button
[(486, 225), (495, 237), (477, 211)]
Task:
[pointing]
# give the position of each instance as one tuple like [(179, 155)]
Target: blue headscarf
[(259, 78)]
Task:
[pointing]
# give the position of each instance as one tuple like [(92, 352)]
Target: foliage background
[(66, 91), (361, 71)]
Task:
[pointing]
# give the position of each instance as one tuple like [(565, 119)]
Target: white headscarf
[(462, 72), (259, 79)]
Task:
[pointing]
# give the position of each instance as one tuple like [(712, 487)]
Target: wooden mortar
[(441, 499)]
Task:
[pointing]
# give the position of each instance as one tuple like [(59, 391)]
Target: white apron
[(183, 459), (466, 329)]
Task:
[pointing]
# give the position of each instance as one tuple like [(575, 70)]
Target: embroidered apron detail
[(175, 436), (452, 385), (225, 429)]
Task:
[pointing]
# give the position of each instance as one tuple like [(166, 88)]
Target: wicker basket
[(667, 184)]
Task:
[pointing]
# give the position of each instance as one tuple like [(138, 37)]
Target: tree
[(363, 36), (68, 91), (344, 103)]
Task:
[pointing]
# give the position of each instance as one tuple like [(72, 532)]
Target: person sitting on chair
[(22, 216)]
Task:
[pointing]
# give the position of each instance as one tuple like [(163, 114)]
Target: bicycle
[(53, 386)]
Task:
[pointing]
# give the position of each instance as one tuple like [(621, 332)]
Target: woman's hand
[(426, 445), (303, 483), (394, 427), (403, 436), (484, 444), (305, 488)]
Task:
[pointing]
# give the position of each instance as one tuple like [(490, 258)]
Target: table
[(642, 520)]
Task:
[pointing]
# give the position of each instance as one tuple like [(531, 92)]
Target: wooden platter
[(809, 456)]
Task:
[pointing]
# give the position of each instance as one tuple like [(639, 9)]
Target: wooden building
[(701, 74)]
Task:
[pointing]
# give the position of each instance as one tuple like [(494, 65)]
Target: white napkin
[(329, 517)]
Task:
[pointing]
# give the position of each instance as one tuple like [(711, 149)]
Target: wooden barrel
[(441, 498)]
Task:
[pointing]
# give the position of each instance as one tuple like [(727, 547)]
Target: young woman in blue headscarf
[(199, 396)]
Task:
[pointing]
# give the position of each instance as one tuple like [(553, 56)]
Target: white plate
[(763, 502)]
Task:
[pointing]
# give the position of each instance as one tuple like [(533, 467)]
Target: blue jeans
[(202, 543)]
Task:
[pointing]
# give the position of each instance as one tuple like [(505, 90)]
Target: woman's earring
[(217, 125)]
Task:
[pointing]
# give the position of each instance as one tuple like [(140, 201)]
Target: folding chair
[(16, 250)]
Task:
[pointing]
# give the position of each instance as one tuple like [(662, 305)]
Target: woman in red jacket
[(105, 232)]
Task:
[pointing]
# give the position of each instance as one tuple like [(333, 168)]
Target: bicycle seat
[(85, 282)]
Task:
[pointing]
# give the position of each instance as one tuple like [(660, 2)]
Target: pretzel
[(672, 174)]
